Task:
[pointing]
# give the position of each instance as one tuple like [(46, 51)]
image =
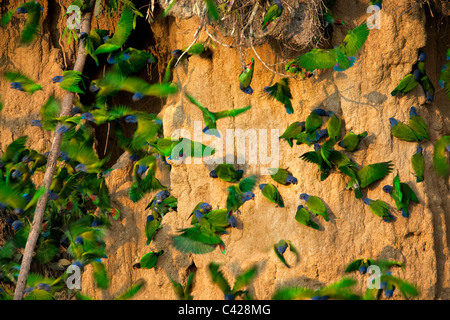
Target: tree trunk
[(51, 165)]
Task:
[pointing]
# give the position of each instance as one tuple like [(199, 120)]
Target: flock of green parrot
[(78, 211)]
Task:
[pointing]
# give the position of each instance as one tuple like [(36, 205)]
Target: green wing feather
[(132, 291), (49, 111), (317, 59), (244, 279), (100, 275), (374, 172), (230, 113), (354, 40), (247, 184), (123, 31), (218, 278), (296, 293)]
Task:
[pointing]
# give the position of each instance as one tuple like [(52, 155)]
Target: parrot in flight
[(339, 58), (21, 82), (34, 12), (280, 91), (441, 156), (211, 118)]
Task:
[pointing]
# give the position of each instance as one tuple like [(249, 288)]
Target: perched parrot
[(351, 141), (226, 173), (303, 216), (427, 87), (310, 138), (292, 131), (240, 193), (418, 125), (408, 82), (315, 205), (280, 91), (334, 126), (282, 176), (402, 194), (418, 164), (314, 120), (149, 260), (402, 131), (211, 118), (271, 193), (339, 58), (275, 10), (280, 248), (379, 208), (246, 77)]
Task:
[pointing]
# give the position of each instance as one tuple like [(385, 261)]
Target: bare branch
[(265, 64), (216, 40), (196, 35)]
